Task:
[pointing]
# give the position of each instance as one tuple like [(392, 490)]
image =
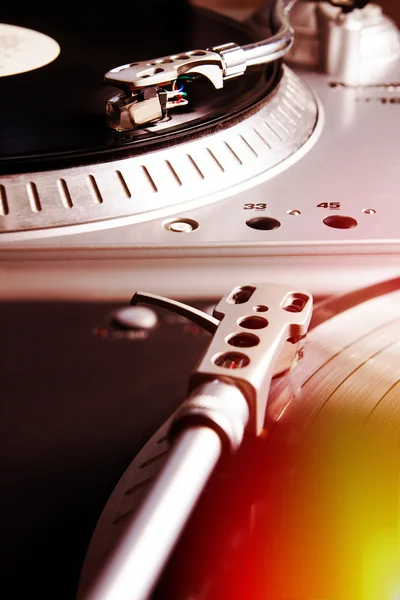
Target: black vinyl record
[(57, 111)]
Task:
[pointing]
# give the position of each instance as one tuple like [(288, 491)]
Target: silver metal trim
[(158, 184)]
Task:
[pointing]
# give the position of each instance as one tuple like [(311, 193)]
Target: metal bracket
[(160, 71), (252, 327), (199, 317)]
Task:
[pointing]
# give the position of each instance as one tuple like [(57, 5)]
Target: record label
[(23, 50)]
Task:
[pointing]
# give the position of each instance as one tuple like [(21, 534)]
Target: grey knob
[(136, 317)]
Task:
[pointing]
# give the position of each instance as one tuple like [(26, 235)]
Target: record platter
[(164, 153)]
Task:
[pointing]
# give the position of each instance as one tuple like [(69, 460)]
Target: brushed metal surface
[(161, 182)]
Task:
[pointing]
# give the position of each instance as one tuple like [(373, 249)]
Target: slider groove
[(279, 121), (292, 108), (250, 147), (196, 166), (233, 152), (4, 210), (139, 486), (149, 178), (174, 173), (33, 196), (64, 193), (154, 459), (215, 159), (123, 183), (286, 115), (262, 138), (95, 189), (276, 134)]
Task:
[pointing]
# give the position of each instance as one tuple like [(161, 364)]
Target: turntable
[(233, 174), (186, 187)]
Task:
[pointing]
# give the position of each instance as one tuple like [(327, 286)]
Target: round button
[(135, 317), (181, 225), (263, 223), (340, 222)]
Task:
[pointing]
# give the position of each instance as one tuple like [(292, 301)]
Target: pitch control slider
[(227, 392)]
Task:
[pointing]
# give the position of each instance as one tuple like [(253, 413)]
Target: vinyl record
[(52, 66), (309, 511)]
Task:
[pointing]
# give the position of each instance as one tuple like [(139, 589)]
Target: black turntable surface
[(78, 397), (57, 111)]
